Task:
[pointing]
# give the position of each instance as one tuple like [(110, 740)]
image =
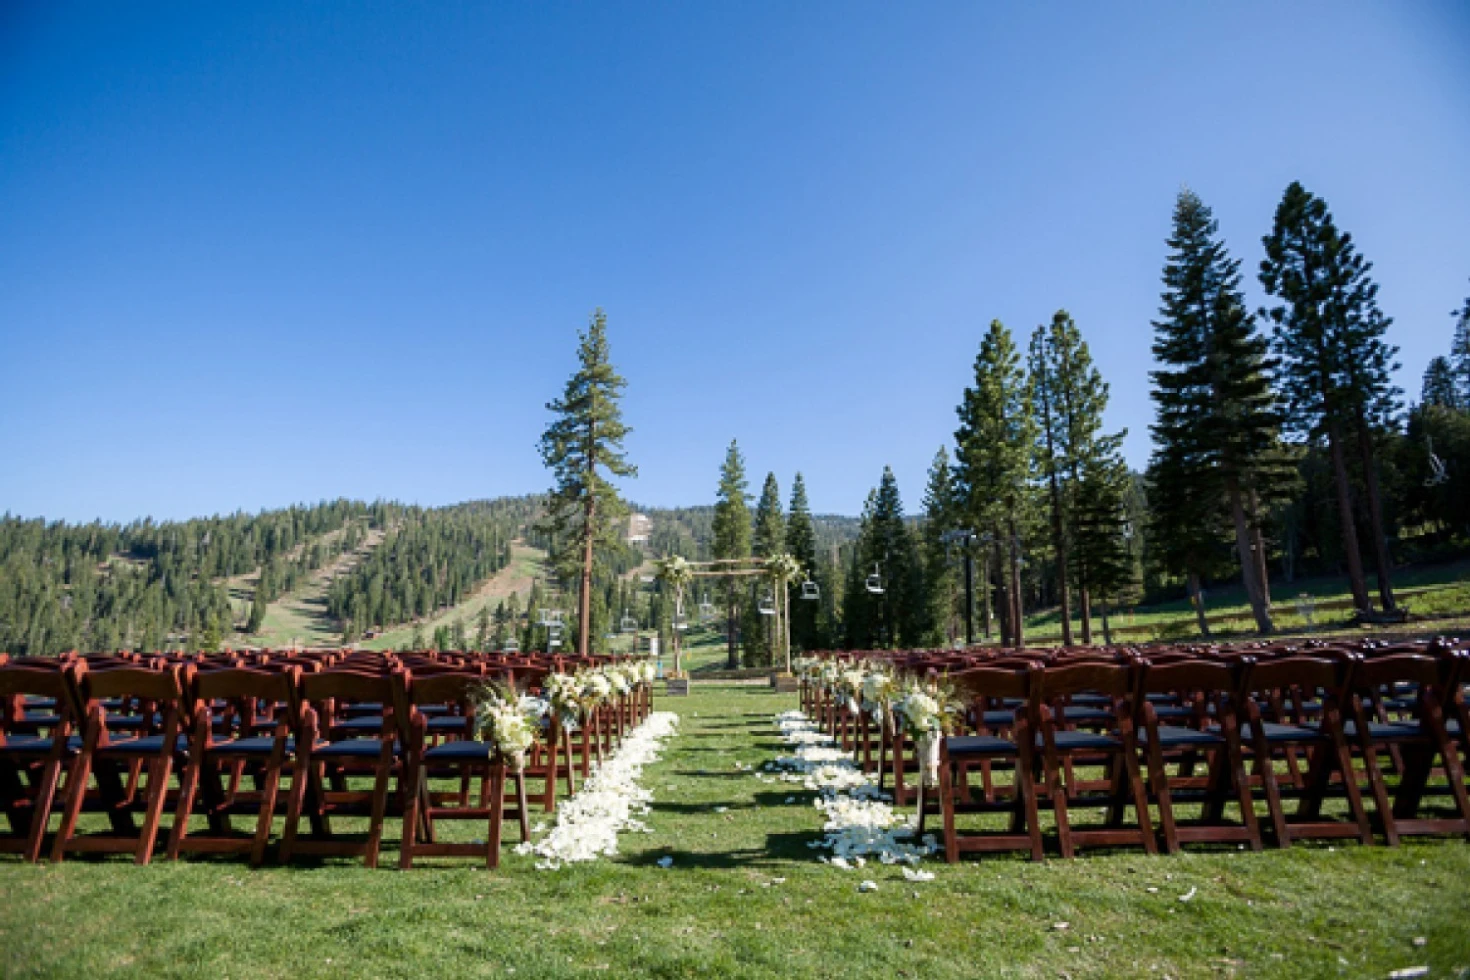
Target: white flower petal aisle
[(860, 821), (611, 801)]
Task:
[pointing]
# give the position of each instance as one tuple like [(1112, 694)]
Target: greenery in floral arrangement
[(508, 721)]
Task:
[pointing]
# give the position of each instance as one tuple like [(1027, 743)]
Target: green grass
[(1440, 594), (1306, 912)]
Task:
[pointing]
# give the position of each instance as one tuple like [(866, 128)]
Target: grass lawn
[(721, 911)]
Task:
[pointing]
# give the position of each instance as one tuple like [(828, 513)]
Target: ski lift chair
[(628, 624), (512, 645), (874, 584), (809, 590), (767, 605)]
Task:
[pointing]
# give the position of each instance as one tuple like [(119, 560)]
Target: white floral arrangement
[(827, 675), (924, 711), (620, 678), (596, 687), (508, 722), (850, 686), (879, 689), (563, 693), (645, 671)]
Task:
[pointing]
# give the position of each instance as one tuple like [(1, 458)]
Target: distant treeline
[(105, 586)]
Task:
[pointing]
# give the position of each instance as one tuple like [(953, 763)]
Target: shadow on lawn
[(778, 849)]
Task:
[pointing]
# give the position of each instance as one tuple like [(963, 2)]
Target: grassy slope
[(526, 563), (1307, 912), (1431, 591), (300, 618)]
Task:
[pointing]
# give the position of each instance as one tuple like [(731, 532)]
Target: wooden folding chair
[(1418, 741), (1322, 677), (320, 785), (957, 753), (35, 698), (1215, 688), (458, 754), (158, 748), (229, 741), (1117, 748)]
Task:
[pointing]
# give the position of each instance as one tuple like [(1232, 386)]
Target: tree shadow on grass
[(779, 849)]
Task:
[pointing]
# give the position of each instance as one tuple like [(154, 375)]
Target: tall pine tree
[(584, 441), (993, 448), (942, 604), (801, 542), (732, 540), (1213, 397), (1336, 366)]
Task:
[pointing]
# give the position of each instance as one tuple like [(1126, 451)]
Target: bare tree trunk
[(1084, 602), (1375, 515), (985, 602), (1059, 541), (1198, 599), (1107, 628), (1250, 570), (584, 601), (1356, 580), (732, 657), (1018, 623)]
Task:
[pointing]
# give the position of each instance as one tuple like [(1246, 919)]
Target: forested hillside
[(102, 586)]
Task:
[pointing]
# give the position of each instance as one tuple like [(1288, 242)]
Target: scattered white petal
[(913, 875), (1188, 895), (868, 886)]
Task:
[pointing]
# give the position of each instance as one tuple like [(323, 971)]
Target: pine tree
[(801, 542), (1071, 396), (992, 461), (768, 539), (1439, 386), (584, 440), (732, 540), (257, 615), (1102, 530), (1460, 351), (1050, 455), (940, 601), (1213, 394), (1336, 365)]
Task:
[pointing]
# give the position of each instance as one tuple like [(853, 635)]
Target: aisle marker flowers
[(860, 822), (611, 801)]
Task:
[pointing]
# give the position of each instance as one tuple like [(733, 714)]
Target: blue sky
[(262, 253)]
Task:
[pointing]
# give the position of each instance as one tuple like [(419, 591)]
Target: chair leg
[(1159, 777), (188, 788), (946, 809), (76, 792), (525, 811), (267, 813), (497, 816), (158, 773), (41, 816), (413, 773), (380, 808)]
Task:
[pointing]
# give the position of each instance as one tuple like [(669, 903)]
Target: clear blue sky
[(256, 253)]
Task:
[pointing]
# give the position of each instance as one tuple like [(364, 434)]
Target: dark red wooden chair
[(1303, 678), (1116, 749), (223, 737), (320, 787), (982, 686), (154, 745), (1213, 688), (39, 719), (457, 754)]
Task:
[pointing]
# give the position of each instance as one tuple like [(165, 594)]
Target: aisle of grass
[(747, 898)]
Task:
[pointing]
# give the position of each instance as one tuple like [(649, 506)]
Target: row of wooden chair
[(1358, 723), (351, 735)]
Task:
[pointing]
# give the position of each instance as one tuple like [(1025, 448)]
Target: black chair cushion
[(147, 745), (357, 748), (1281, 733), (1172, 735), (462, 750), (258, 745), (38, 746), (1082, 741), (979, 745)]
